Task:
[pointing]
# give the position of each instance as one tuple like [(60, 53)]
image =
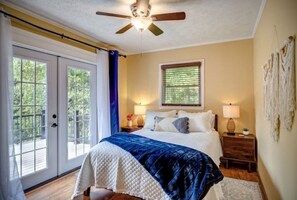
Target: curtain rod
[(55, 33)]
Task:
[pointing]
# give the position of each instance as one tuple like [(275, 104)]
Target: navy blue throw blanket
[(183, 173)]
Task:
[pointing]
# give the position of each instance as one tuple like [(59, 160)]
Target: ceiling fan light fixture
[(141, 23)]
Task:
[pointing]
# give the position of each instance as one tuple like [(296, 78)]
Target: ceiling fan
[(141, 18)]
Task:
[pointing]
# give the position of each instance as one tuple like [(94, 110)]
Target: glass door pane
[(30, 115), (79, 102)]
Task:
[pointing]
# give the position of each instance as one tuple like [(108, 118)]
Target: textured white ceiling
[(207, 21)]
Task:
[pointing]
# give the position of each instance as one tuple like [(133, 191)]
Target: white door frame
[(65, 164)]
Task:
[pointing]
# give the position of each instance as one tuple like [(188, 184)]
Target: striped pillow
[(177, 125)]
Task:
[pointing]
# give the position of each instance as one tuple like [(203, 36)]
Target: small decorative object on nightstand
[(245, 131), (129, 119), (130, 129), (239, 148)]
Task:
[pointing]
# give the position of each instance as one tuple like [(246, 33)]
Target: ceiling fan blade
[(155, 29), (169, 16), (123, 30), (113, 15)]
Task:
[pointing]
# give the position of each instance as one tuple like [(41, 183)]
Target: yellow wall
[(277, 160), (228, 78)]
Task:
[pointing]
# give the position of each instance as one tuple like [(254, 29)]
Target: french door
[(34, 107), (53, 115), (77, 111)]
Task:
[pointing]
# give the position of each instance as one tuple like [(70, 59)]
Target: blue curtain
[(113, 88)]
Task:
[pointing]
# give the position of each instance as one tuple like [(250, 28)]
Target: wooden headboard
[(216, 122)]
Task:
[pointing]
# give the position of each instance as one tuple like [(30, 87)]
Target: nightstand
[(130, 129), (239, 148)]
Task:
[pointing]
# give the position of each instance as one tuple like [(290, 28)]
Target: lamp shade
[(231, 111), (139, 109)]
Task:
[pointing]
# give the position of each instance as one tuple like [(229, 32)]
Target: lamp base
[(230, 133), (140, 121), (231, 126)]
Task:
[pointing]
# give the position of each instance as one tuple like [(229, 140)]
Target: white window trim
[(201, 82)]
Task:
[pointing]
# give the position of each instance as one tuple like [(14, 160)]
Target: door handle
[(54, 125)]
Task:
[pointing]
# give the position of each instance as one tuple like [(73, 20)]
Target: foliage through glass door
[(79, 118), (29, 115)]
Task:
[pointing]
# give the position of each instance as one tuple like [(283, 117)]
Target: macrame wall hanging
[(280, 88)]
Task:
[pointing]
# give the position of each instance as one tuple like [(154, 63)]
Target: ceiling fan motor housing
[(141, 8)]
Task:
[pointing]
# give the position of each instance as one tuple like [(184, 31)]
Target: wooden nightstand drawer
[(238, 142), (239, 148), (239, 153)]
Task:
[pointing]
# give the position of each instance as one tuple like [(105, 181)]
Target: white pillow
[(198, 122), (150, 117)]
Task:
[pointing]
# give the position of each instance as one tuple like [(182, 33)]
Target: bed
[(109, 166)]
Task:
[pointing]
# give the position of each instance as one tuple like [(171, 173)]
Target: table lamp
[(139, 110), (231, 111)]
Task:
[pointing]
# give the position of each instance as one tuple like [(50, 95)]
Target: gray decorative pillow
[(178, 125)]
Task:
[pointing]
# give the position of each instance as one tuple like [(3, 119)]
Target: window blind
[(181, 84)]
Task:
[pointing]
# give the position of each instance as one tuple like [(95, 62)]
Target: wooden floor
[(62, 188)]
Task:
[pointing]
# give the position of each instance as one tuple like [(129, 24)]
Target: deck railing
[(77, 123)]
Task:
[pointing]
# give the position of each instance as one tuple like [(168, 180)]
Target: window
[(181, 84)]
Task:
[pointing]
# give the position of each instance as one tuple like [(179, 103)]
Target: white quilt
[(108, 166)]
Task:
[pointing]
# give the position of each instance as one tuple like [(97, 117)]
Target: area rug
[(235, 189), (232, 189)]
